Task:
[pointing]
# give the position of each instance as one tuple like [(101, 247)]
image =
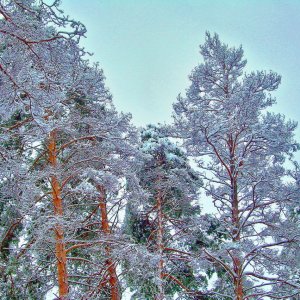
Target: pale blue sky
[(148, 48)]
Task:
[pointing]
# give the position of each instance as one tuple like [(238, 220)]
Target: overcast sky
[(147, 48)]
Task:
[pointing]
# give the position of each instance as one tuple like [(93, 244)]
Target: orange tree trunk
[(110, 265), (160, 245), (237, 267), (238, 284), (60, 251)]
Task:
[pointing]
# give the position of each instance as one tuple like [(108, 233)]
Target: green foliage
[(137, 226)]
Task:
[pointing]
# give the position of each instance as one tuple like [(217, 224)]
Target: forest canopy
[(92, 207)]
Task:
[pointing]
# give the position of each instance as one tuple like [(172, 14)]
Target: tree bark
[(60, 249), (237, 267), (110, 265), (160, 245)]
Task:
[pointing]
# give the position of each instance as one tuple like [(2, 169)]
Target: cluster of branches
[(92, 208)]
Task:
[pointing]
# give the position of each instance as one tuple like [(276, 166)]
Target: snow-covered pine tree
[(240, 148), (288, 270), (45, 84), (160, 222), (11, 218), (31, 85), (80, 159), (98, 191)]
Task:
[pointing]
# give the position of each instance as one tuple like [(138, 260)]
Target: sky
[(147, 48)]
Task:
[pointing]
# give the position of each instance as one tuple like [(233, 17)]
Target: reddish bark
[(110, 265), (60, 250), (238, 283), (160, 245), (237, 266)]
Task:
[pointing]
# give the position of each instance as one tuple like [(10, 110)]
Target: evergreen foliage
[(92, 208)]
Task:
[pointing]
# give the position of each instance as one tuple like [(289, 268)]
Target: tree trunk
[(238, 283), (60, 251), (160, 245), (111, 267), (237, 267)]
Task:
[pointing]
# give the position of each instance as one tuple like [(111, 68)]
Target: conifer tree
[(100, 189), (46, 84), (240, 148), (70, 164), (288, 269), (160, 222)]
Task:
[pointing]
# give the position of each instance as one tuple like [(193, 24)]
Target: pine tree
[(240, 148), (160, 222), (100, 189), (38, 83), (288, 270), (10, 216)]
